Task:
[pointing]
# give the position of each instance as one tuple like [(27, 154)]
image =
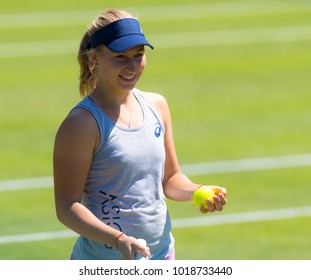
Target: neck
[(112, 99), (124, 109)]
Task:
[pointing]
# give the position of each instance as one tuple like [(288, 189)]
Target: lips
[(128, 77)]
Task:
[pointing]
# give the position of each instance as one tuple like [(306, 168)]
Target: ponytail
[(87, 68)]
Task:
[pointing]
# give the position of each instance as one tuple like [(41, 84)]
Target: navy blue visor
[(120, 36)]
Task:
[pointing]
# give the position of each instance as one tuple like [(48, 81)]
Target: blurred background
[(236, 75)]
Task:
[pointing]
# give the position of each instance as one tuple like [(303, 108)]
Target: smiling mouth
[(128, 77)]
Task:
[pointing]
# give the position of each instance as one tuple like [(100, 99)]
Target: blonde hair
[(88, 78)]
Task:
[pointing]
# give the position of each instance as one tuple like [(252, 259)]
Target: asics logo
[(157, 130)]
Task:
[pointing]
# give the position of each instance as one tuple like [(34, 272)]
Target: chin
[(127, 87)]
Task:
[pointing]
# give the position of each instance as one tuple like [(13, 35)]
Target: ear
[(93, 57)]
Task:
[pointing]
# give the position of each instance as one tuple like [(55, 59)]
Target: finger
[(218, 190), (142, 248), (144, 251), (210, 207), (218, 204), (210, 204), (222, 198), (203, 209), (143, 254)]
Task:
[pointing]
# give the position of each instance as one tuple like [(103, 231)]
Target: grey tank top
[(124, 185)]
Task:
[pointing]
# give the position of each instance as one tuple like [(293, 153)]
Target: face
[(119, 71)]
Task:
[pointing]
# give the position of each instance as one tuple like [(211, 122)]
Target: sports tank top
[(124, 186)]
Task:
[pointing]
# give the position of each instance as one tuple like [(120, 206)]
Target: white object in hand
[(138, 256)]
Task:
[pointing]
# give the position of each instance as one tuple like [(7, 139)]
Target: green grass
[(227, 102), (281, 240)]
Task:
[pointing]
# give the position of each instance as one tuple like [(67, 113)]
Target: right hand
[(129, 246)]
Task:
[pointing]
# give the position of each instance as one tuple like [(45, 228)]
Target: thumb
[(142, 249), (218, 190)]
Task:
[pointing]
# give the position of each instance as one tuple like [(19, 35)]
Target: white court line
[(194, 169), (246, 217), (220, 219), (156, 13), (251, 164), (241, 36), (281, 34), (26, 184), (40, 236)]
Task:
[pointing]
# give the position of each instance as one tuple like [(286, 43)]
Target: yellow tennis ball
[(200, 196)]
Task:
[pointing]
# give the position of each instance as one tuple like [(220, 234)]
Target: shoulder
[(78, 126), (79, 119), (160, 104), (158, 101)]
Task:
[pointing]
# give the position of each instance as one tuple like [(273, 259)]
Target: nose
[(132, 65)]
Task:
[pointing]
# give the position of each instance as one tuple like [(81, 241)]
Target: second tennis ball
[(200, 196)]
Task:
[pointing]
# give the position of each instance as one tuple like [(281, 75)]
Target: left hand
[(219, 200)]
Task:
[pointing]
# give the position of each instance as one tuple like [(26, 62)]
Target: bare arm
[(75, 142), (177, 186)]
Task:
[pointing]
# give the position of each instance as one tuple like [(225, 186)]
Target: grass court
[(236, 75)]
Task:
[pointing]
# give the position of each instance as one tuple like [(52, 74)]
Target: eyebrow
[(142, 48)]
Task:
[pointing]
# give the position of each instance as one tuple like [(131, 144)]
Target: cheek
[(143, 63)]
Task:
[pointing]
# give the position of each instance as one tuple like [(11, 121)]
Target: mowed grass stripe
[(157, 13), (171, 40), (220, 219), (194, 169)]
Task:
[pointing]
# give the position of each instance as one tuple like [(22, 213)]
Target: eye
[(121, 57), (140, 54)]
